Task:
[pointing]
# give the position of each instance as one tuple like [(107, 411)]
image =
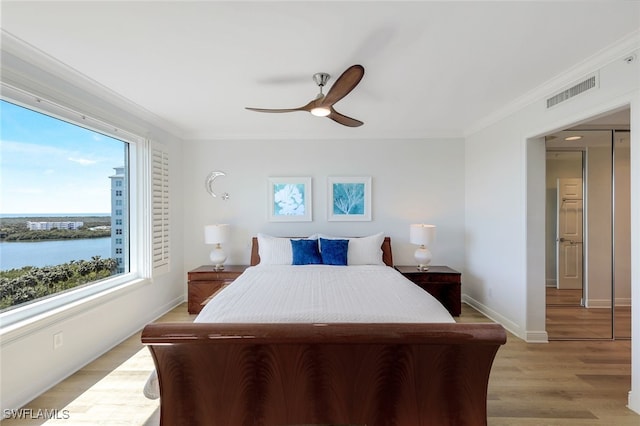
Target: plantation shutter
[(160, 210)]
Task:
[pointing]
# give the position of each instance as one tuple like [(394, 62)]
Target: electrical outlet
[(57, 340)]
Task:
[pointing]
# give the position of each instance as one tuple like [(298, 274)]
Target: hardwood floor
[(560, 383), (567, 297), (567, 319)]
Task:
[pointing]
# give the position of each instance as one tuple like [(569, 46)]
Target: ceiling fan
[(322, 105)]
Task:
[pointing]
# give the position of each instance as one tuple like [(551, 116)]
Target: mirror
[(588, 271)]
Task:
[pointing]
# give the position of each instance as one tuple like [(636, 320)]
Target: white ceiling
[(432, 68)]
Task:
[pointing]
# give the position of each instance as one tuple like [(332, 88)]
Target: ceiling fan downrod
[(321, 79)]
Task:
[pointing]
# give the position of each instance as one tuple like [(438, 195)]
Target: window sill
[(36, 322)]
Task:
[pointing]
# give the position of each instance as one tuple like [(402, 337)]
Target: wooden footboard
[(303, 374)]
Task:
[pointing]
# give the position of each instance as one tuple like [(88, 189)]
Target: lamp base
[(217, 257), (423, 258)]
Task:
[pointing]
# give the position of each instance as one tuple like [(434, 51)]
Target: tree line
[(29, 283), (15, 229)]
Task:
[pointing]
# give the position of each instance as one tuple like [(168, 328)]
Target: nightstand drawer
[(205, 281), (208, 275), (441, 282)]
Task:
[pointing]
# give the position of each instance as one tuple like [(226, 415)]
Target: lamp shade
[(215, 234), (422, 235)]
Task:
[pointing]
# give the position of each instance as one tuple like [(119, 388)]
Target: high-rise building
[(119, 219)]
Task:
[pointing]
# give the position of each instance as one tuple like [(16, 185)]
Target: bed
[(351, 348)]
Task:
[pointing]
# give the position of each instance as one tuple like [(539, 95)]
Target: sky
[(48, 166)]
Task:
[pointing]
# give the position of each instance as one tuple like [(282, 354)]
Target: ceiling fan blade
[(275, 110), (344, 84), (343, 119), (308, 107)]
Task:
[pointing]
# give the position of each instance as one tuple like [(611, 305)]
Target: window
[(72, 180)]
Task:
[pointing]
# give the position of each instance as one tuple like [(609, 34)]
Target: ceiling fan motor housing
[(321, 78)]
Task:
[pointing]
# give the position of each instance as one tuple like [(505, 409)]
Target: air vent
[(572, 91)]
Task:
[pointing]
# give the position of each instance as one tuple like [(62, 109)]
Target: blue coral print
[(288, 199), (348, 198)]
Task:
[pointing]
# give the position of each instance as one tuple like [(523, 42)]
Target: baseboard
[(552, 282), (164, 309), (537, 337), (606, 303), (623, 301), (634, 401), (511, 326), (598, 303), (27, 396)]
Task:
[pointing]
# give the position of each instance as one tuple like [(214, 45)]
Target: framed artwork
[(289, 199), (349, 198)]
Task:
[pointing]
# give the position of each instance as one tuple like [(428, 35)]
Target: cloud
[(82, 161), (28, 149)]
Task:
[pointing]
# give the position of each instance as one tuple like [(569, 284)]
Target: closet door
[(622, 234), (597, 316)]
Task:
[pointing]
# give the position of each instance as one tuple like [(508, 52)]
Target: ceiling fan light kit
[(320, 111), (322, 105)]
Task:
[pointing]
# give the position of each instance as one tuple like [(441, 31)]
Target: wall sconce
[(216, 235), (423, 236)]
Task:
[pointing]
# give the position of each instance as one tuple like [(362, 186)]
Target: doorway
[(588, 280)]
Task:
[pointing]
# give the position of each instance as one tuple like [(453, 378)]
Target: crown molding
[(26, 68), (609, 54)]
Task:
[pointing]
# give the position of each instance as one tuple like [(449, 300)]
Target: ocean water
[(15, 255)]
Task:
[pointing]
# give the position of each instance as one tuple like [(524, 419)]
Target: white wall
[(28, 362), (413, 181), (495, 220), (504, 255)]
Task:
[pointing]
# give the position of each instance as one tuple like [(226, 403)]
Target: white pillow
[(274, 250), (362, 250)]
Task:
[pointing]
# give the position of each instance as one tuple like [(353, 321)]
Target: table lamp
[(216, 235), (424, 236)]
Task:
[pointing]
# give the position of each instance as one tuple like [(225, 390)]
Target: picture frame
[(290, 199), (349, 198)]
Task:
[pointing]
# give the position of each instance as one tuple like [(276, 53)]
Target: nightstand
[(204, 282), (441, 282)]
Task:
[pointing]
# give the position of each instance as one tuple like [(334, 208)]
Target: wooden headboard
[(387, 257)]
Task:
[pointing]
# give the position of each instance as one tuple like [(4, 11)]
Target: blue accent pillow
[(334, 252), (305, 252)]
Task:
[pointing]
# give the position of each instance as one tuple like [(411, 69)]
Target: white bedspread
[(323, 294), (300, 294)]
